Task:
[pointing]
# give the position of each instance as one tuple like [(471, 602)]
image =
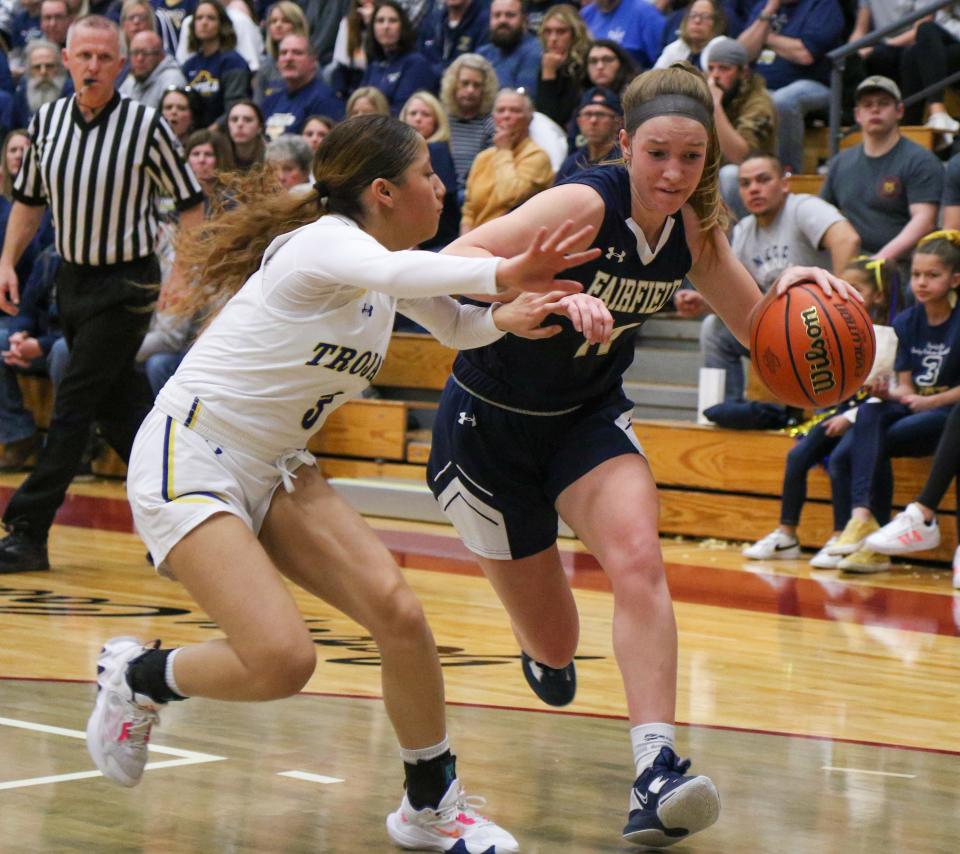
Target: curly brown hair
[(227, 249)]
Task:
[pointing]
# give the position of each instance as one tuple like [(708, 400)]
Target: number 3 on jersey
[(312, 415)]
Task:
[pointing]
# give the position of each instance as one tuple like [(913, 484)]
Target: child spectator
[(908, 419)]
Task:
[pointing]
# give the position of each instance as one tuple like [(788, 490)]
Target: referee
[(99, 161)]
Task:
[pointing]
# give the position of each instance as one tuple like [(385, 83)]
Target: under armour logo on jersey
[(366, 309), (612, 253), (464, 418)]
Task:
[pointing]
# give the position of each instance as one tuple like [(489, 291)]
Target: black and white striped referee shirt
[(101, 178)]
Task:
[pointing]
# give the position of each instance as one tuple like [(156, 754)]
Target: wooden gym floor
[(825, 708)]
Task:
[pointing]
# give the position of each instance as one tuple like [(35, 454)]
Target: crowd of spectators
[(512, 96)]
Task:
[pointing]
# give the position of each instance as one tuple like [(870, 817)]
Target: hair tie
[(875, 266), (951, 235), (322, 188)]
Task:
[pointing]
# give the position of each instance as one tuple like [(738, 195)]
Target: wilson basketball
[(810, 349)]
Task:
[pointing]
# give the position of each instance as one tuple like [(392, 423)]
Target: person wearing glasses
[(609, 66), (704, 22), (636, 25), (45, 80), (152, 72), (599, 120), (55, 19)]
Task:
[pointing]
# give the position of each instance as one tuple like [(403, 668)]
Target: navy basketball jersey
[(634, 281)]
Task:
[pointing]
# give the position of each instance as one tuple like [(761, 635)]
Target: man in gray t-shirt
[(782, 230), (888, 187), (950, 203)]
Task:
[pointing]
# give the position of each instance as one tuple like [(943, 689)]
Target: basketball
[(811, 349)]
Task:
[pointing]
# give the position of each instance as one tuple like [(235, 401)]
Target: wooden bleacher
[(713, 482)]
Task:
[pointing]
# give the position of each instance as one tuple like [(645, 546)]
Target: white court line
[(310, 778), (865, 771), (187, 757)]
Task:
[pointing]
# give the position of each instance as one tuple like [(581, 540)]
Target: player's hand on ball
[(826, 280)]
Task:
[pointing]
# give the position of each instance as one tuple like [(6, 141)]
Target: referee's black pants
[(104, 312)]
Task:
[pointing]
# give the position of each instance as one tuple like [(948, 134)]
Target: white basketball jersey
[(310, 329)]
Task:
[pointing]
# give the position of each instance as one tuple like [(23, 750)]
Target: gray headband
[(668, 105)]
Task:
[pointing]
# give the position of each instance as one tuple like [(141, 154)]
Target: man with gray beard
[(43, 81)]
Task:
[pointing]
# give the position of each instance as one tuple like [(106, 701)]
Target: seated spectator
[(916, 528), (703, 22), (674, 11), (883, 57), (55, 20), (889, 187), (564, 40), (424, 113), (367, 100), (513, 52), (179, 106), (934, 55), (24, 27), (789, 41), (136, 16), (782, 229), (453, 28), (15, 144), (45, 80), (599, 119), (26, 342), (249, 38), (911, 415), (609, 66), (304, 92), (152, 71), (323, 20), (290, 158), (513, 170), (349, 51), (393, 64), (169, 336), (245, 129), (636, 25), (743, 112), (823, 438), (214, 70), (316, 128), (467, 91), (283, 19)]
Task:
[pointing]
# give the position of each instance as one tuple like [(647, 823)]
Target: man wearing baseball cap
[(888, 186), (743, 111), (599, 118)]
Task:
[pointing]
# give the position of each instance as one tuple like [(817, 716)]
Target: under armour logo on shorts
[(464, 418)]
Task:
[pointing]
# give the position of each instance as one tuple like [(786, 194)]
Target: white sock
[(647, 739), (424, 754), (168, 673)]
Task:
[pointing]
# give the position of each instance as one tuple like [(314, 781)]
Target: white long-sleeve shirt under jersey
[(309, 330)]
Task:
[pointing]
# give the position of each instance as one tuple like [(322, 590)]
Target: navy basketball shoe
[(666, 807), (555, 686)]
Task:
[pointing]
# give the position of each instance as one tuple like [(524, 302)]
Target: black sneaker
[(555, 686), (21, 553)]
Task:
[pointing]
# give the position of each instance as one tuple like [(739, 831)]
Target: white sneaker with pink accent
[(454, 826), (119, 727)]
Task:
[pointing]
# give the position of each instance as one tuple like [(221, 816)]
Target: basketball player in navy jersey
[(529, 430)]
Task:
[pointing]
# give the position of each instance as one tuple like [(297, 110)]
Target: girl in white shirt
[(306, 329)]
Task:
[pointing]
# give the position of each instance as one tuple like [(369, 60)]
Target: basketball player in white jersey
[(227, 499)]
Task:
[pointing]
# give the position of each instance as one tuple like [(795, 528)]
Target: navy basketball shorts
[(497, 472)]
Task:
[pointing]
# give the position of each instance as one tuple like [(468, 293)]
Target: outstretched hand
[(816, 275), (549, 254), (522, 317)]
